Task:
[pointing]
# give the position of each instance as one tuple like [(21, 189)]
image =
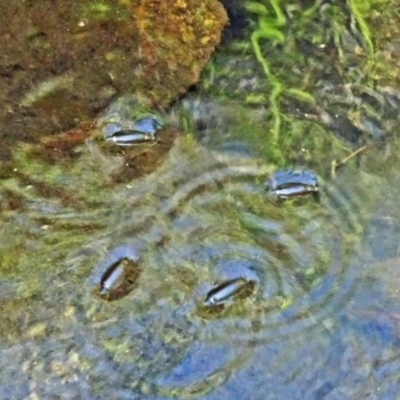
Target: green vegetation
[(270, 27), (289, 55)]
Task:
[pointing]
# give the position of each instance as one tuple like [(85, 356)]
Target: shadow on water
[(318, 320)]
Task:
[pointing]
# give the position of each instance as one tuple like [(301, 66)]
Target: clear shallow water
[(321, 322)]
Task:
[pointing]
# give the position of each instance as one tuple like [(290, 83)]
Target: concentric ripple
[(204, 219), (200, 220)]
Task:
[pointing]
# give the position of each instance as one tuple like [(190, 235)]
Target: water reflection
[(305, 331)]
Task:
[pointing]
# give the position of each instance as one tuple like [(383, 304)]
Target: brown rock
[(63, 61)]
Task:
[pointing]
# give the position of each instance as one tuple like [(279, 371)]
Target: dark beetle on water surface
[(286, 184), (142, 130), (119, 279), (227, 290)]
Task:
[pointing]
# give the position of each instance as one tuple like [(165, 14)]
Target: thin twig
[(335, 165)]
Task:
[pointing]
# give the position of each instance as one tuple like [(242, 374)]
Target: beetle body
[(227, 290), (286, 184)]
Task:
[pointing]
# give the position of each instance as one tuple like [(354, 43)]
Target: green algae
[(286, 54)]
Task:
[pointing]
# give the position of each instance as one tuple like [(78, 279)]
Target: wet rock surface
[(62, 61)]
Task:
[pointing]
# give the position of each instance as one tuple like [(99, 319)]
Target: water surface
[(321, 322)]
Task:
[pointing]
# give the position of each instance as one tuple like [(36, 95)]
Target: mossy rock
[(64, 61)]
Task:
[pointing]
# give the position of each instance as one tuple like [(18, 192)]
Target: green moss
[(291, 53), (359, 9)]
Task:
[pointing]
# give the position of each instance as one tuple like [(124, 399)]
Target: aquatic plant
[(270, 27), (289, 57)]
